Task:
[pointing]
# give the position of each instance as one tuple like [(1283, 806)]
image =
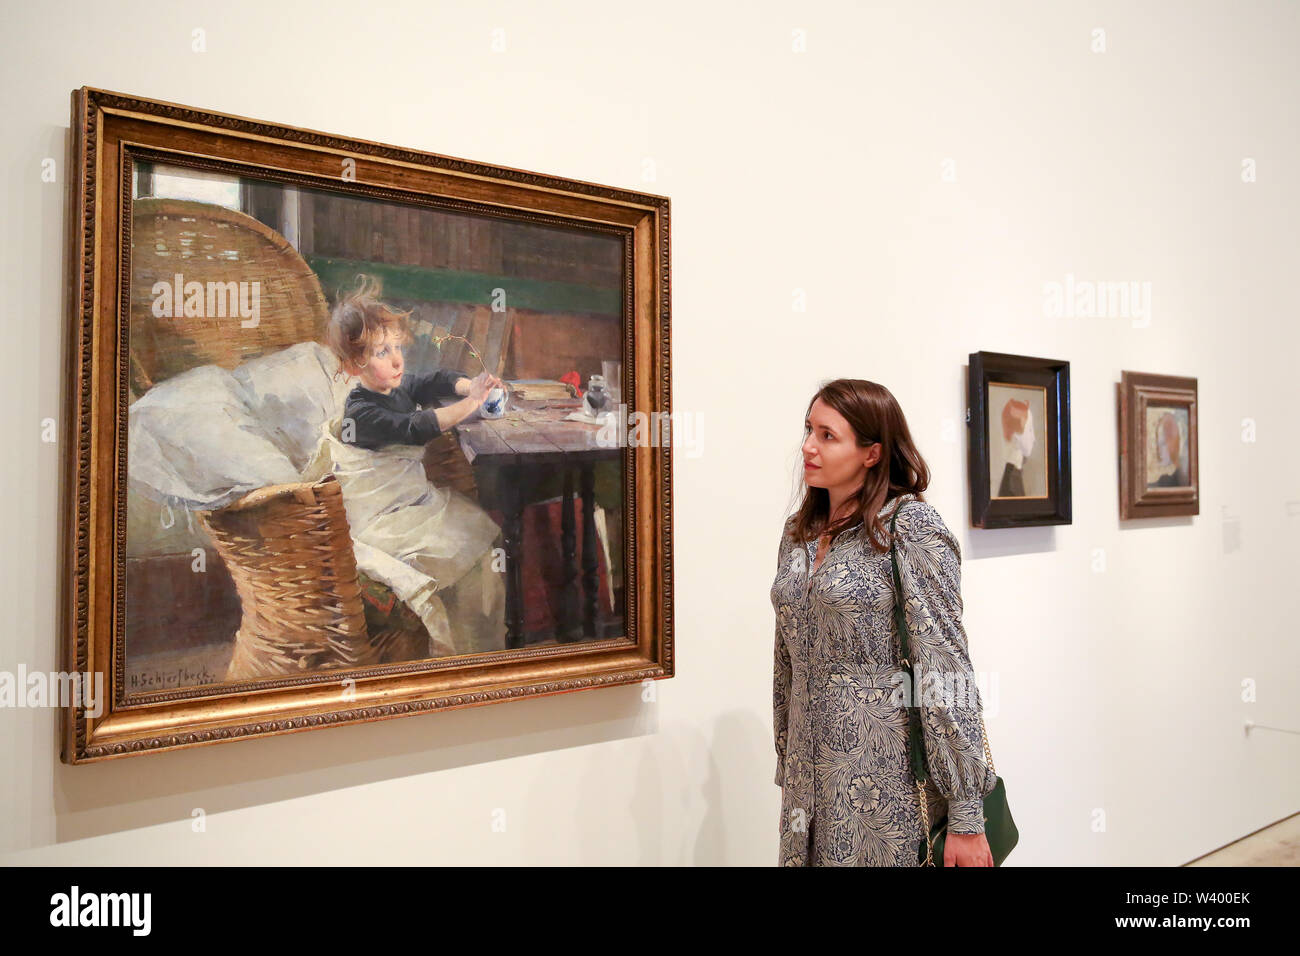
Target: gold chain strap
[(925, 825), (987, 755)]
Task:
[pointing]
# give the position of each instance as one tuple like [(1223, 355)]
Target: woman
[(849, 797)]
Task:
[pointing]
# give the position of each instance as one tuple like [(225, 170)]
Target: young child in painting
[(378, 445), (389, 406)]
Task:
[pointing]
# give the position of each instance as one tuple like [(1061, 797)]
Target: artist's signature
[(181, 677)]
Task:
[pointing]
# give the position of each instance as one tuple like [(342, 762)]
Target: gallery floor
[(1275, 845)]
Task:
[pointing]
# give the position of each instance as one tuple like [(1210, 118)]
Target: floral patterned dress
[(848, 794)]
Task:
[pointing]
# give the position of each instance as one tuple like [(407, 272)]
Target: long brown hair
[(874, 415)]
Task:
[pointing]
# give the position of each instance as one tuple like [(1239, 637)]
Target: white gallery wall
[(914, 177)]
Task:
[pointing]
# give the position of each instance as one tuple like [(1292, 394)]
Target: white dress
[(435, 548)]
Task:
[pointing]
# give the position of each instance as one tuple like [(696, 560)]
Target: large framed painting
[(356, 431), (1019, 427), (1158, 446)]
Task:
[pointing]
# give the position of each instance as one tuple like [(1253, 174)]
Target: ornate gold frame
[(105, 127)]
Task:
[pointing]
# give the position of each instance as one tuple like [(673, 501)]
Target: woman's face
[(383, 370), (1169, 441), (832, 458), (1026, 438)]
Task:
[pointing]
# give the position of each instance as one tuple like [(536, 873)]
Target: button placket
[(810, 646), (810, 702)]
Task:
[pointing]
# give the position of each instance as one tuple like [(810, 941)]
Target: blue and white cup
[(494, 406)]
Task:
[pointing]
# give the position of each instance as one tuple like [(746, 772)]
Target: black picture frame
[(1005, 371)]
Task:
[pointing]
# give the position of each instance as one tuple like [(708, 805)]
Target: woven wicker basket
[(289, 550), (206, 243)]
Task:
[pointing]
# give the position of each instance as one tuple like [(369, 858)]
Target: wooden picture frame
[(585, 270), (1159, 446), (1019, 427)]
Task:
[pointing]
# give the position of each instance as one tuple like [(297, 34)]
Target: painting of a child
[(473, 528), (377, 450), (385, 407)]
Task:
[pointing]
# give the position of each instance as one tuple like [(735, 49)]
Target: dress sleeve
[(374, 426), (929, 563), (439, 383), (781, 677)]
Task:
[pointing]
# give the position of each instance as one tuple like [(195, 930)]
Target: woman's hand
[(966, 849)]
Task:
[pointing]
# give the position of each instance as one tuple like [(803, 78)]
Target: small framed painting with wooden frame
[(1019, 421), (1158, 446)]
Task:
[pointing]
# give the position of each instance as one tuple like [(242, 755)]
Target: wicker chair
[(304, 604)]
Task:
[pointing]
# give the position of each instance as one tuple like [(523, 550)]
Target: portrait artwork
[(1166, 447), (1159, 475), (1017, 457), (1018, 417)]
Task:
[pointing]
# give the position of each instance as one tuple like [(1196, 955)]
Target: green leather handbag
[(999, 829)]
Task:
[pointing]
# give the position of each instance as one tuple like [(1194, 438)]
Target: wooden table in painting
[(531, 436)]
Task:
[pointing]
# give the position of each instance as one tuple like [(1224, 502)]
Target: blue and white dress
[(849, 797)]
